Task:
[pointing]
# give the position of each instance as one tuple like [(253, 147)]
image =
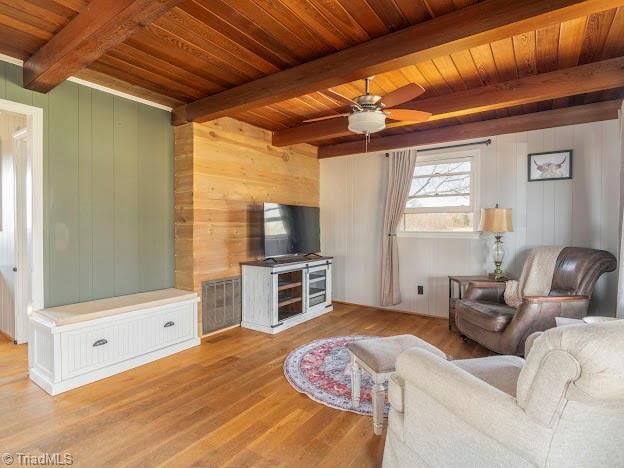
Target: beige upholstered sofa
[(562, 407)]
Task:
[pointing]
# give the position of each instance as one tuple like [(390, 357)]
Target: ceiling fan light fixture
[(367, 121)]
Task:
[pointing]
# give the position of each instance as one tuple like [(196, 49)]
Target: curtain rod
[(482, 142)]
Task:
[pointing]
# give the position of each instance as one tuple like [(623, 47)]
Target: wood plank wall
[(224, 171)]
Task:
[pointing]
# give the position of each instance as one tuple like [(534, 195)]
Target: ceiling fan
[(368, 112)]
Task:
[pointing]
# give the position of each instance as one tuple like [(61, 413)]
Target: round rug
[(322, 370)]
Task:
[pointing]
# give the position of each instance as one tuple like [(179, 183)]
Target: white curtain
[(620, 298), (400, 172)]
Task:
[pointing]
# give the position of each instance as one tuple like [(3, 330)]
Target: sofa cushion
[(396, 387), (380, 354), (91, 310), (486, 315), (577, 362), (499, 371), (396, 424)]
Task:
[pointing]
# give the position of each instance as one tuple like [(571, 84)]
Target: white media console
[(78, 344), (278, 296)]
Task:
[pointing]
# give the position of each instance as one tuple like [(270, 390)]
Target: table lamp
[(498, 221)]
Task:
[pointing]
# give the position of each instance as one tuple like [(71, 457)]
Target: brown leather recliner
[(484, 317)]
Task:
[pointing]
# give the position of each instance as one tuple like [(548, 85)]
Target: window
[(442, 197)]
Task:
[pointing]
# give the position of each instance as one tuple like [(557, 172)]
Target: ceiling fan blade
[(403, 94), (326, 117), (408, 115), (336, 95)]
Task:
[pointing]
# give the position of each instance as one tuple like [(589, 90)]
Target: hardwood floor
[(225, 402)]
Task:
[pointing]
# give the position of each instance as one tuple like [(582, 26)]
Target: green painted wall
[(108, 191)]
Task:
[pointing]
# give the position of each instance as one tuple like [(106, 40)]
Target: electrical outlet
[(421, 290)]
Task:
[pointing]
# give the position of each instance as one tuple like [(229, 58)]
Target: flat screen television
[(291, 230)]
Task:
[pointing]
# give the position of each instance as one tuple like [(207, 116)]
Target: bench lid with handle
[(85, 311)]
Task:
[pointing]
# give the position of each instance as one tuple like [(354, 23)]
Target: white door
[(7, 227), (21, 217), (23, 233), (14, 289), (7, 239)]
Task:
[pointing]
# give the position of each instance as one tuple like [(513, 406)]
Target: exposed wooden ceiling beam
[(597, 76), (107, 81), (475, 25), (101, 25), (520, 123)]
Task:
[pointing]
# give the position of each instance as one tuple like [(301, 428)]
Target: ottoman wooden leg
[(356, 379), (379, 399)]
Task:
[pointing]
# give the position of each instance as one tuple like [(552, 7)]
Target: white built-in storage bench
[(77, 344), (280, 295)]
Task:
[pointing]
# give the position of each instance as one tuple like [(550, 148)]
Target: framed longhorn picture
[(553, 165)]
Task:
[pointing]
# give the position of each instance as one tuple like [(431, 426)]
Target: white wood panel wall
[(579, 212)]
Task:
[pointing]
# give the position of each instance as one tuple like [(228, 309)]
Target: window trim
[(474, 155), (441, 234)]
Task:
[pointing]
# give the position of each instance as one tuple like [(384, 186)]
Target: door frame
[(36, 302)]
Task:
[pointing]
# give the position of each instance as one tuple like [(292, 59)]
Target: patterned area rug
[(322, 370)]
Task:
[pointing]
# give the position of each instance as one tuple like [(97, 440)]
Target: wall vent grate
[(221, 304)]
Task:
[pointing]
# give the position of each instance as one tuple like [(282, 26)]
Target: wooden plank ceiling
[(202, 47)]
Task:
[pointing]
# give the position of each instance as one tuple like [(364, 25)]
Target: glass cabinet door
[(317, 286)]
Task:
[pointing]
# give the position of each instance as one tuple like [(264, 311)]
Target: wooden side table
[(457, 289)]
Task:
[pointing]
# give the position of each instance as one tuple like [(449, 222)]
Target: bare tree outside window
[(440, 197)]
